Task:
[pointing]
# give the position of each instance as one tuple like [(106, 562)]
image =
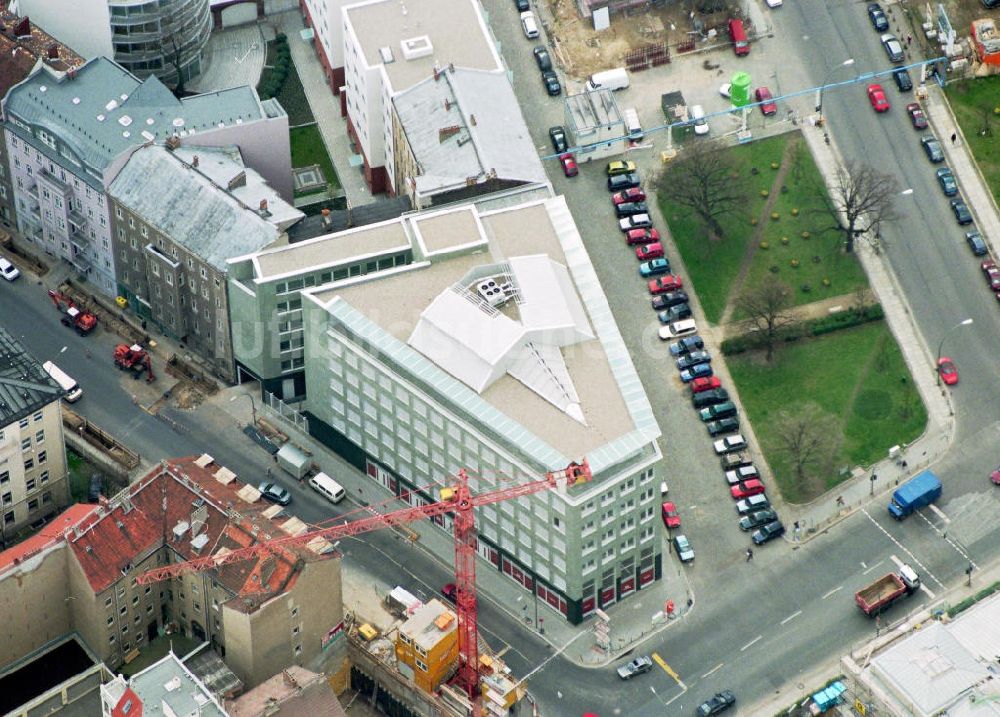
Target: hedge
[(813, 327)]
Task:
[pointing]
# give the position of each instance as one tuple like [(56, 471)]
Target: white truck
[(616, 79), (632, 125)]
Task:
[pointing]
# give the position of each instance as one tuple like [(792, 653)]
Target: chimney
[(446, 132), (194, 161), (451, 67), (53, 52), (23, 28), (263, 205), (472, 120), (173, 142), (447, 104)]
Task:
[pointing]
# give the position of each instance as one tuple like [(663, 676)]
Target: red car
[(641, 236), (670, 517), (876, 95), (450, 591), (568, 162), (746, 489), (705, 383), (667, 282), (634, 194), (769, 107), (649, 251), (947, 371), (992, 273), (917, 118), (995, 476)]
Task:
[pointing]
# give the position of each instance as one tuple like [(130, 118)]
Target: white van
[(67, 384), (327, 487), (632, 125), (697, 116), (678, 329), (528, 25), (616, 79)]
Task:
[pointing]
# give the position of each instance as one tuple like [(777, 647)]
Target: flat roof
[(421, 626), (462, 41), (25, 386), (449, 230)]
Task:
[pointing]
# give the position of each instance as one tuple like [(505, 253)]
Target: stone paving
[(233, 57)]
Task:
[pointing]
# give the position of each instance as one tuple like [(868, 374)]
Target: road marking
[(944, 534), (791, 617), (875, 565), (828, 593), (899, 545), (713, 670), (927, 590), (752, 643), (939, 513), (899, 563), (668, 669)]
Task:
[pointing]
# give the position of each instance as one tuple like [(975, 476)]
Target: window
[(111, 620), (29, 464), (23, 423), (4, 477), (46, 497), (43, 477), (41, 457), (26, 443), (8, 518), (37, 417), (33, 504), (29, 484)]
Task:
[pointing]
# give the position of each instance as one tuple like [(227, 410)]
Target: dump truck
[(887, 591), (920, 491)]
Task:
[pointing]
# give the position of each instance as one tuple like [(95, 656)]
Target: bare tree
[(860, 199), (705, 179), (767, 307), (809, 437)]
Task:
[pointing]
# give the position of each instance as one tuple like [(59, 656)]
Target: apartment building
[(177, 215), (165, 38), (166, 687), (33, 472), (475, 337), (68, 134)]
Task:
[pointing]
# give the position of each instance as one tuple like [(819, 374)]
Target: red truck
[(887, 591)]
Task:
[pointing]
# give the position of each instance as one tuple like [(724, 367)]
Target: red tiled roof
[(52, 533), (19, 53), (145, 517)]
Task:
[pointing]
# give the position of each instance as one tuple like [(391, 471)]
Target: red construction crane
[(456, 500)]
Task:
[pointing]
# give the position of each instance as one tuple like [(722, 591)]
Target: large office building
[(479, 338), (165, 38), (33, 483), (69, 133)]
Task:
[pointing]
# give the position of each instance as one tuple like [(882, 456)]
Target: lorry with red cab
[(887, 591)]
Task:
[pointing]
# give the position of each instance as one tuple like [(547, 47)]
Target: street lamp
[(960, 324), (819, 93), (253, 406)]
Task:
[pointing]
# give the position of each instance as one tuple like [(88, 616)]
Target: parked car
[(747, 489), (671, 298), (7, 270), (726, 409), (636, 221), (275, 493), (902, 80), (976, 243), (675, 313), (697, 118), (705, 384), (741, 473), (947, 371), (717, 703), (768, 106), (688, 343), (876, 95), (917, 117), (529, 25), (635, 194), (723, 425), (697, 371), (635, 667), (961, 211), (932, 148), (670, 517), (768, 531), (568, 162), (628, 209), (678, 329), (992, 274), (729, 444), (450, 591), (757, 519), (542, 58), (654, 267), (877, 17), (521, 5), (754, 502), (668, 282), (693, 358), (649, 251), (620, 167), (893, 47), (552, 85), (683, 547), (947, 181), (557, 135), (623, 181), (641, 236), (736, 459), (709, 398)]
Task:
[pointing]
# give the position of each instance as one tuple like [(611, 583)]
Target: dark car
[(947, 181), (671, 298), (932, 148), (693, 359), (723, 425), (709, 398), (676, 312), (627, 209), (757, 519), (701, 370), (450, 591), (542, 58), (688, 343), (551, 81), (902, 80), (877, 17), (522, 5), (961, 210), (726, 409), (275, 493), (558, 137), (976, 243), (768, 531), (623, 181), (719, 702)]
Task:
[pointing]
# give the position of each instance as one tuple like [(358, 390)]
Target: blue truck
[(918, 492)]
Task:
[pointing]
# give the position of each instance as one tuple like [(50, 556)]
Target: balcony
[(79, 241), (33, 190), (54, 181), (81, 262), (76, 218)]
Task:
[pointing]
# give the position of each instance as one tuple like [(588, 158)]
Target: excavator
[(83, 321), (136, 359)]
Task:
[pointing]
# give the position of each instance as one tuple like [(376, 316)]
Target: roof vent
[(416, 47), (100, 118), (42, 88), (126, 134), (174, 684), (111, 105), (150, 120), (124, 120), (76, 100), (386, 53), (177, 122)]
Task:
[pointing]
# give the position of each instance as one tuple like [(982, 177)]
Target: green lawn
[(858, 375), (291, 96), (308, 149), (975, 104)]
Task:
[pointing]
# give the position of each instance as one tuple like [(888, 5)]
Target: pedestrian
[(749, 554), (954, 137), (903, 465), (840, 500), (268, 472), (909, 39)]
